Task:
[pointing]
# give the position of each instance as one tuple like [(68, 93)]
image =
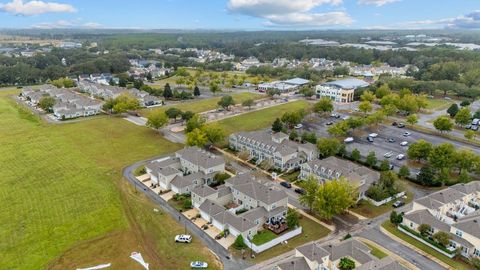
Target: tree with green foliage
[(355, 155), (214, 88), (465, 103), (293, 135), (292, 218), (442, 156), (334, 197), (424, 229), (389, 110), (367, 96), (464, 160), (426, 176), (226, 101), (123, 103), (307, 92), (187, 115), (382, 91), (385, 165), (355, 122), (453, 110), (371, 159), (157, 119), (404, 171), (197, 137), (339, 129), (239, 242), (442, 238), (346, 264), (277, 125), (310, 186), (196, 91), (292, 118), (396, 218), (187, 204), (214, 133), (197, 121), (443, 124), (324, 105), (220, 178), (173, 113), (46, 103), (328, 147), (470, 134), (167, 91), (248, 103), (365, 107), (310, 137), (463, 117), (419, 150), (412, 119)]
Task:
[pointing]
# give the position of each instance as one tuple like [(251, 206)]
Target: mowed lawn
[(59, 183), (203, 105), (260, 119)]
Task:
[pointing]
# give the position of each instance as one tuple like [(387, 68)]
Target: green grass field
[(203, 105), (438, 104), (59, 186), (376, 251), (259, 119)]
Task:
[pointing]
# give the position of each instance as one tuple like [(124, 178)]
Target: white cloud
[(287, 13), (468, 21), (62, 24), (18, 7), (377, 3)]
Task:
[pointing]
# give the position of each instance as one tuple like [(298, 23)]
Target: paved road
[(408, 254), (227, 259)]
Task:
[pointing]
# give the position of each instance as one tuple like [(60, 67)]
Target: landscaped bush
[(387, 186), (239, 243), (243, 210)]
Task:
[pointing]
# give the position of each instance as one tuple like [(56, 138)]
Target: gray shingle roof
[(425, 217), (187, 180), (313, 252), (200, 157), (211, 208), (351, 248), (261, 192), (470, 226), (204, 191), (294, 264)]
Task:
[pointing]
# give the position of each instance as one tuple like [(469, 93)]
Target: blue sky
[(241, 14)]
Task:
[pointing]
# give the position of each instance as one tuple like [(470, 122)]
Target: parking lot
[(381, 144)]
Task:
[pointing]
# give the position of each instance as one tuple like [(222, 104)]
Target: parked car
[(401, 157), (300, 191), (373, 135), (370, 139), (183, 238), (391, 167), (398, 204), (329, 123), (388, 154), (476, 121), (394, 124), (406, 134), (391, 140), (299, 126), (286, 184), (199, 265), (469, 126), (346, 117), (205, 227), (404, 143), (401, 125), (348, 140), (474, 128)]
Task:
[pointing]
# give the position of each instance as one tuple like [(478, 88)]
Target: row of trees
[(440, 160)]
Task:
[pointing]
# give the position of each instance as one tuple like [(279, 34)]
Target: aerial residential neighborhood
[(240, 135)]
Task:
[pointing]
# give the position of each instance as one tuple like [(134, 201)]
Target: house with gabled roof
[(454, 210)]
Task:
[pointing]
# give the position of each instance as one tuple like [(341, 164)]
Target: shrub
[(346, 264), (239, 243)]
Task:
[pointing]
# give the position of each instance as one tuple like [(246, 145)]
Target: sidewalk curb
[(423, 253)]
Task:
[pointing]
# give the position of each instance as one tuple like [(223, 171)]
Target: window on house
[(459, 233), (476, 252)]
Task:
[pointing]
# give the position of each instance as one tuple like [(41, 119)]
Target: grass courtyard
[(260, 119), (203, 105), (64, 203)]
